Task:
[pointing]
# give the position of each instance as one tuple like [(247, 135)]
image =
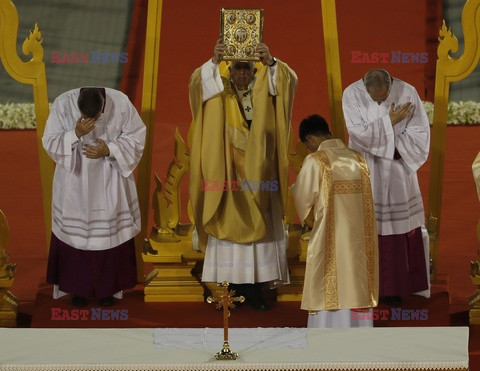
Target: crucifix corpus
[(225, 299)]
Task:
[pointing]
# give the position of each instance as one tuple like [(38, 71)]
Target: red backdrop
[(293, 31)]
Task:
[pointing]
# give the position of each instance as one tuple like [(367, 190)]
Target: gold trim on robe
[(342, 258)]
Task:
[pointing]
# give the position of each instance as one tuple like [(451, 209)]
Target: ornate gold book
[(241, 30)]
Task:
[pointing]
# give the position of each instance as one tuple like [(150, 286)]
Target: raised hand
[(218, 52), (96, 151), (402, 112), (263, 53), (84, 126)]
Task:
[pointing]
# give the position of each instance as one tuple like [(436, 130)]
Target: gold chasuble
[(342, 258), (226, 155)]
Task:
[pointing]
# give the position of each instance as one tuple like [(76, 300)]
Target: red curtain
[(131, 83)]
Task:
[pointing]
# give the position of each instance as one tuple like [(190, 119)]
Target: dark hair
[(90, 102), (313, 125)]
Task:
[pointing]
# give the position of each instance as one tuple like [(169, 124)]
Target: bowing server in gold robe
[(239, 169), (342, 258)]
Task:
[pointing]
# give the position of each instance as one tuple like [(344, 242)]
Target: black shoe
[(107, 301), (396, 301), (254, 297), (260, 305), (393, 301), (79, 301)]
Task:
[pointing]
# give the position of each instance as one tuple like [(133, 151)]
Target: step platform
[(133, 311)]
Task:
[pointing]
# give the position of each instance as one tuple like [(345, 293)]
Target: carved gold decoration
[(177, 265), (169, 200), (448, 42), (8, 302), (29, 72), (474, 302), (33, 45), (448, 70), (241, 30)]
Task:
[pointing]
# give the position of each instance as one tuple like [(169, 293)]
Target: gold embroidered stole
[(329, 188)]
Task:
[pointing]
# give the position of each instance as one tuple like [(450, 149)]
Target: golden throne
[(177, 266)]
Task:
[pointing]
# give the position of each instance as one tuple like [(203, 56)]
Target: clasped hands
[(402, 112), (85, 126), (261, 51)]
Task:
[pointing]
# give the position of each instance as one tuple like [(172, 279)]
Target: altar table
[(399, 348)]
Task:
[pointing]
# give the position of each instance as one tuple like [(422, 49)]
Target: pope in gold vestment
[(239, 137), (342, 259), (224, 148)]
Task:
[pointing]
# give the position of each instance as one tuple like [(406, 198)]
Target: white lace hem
[(238, 366)]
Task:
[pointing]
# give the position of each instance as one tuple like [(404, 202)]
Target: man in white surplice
[(96, 138), (387, 124), (241, 119)]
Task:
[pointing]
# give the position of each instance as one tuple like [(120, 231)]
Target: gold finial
[(448, 42), (33, 44)]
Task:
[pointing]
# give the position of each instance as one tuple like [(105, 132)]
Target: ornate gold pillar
[(30, 72), (149, 102), (448, 70), (332, 61)]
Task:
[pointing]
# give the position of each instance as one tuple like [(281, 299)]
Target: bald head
[(378, 83)]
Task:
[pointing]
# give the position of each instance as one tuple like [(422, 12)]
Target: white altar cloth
[(400, 348), (238, 338)]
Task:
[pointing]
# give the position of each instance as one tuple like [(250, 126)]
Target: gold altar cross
[(225, 299)]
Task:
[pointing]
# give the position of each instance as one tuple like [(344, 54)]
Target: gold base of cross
[(226, 353)]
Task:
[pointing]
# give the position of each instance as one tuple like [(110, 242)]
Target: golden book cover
[(241, 30)]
